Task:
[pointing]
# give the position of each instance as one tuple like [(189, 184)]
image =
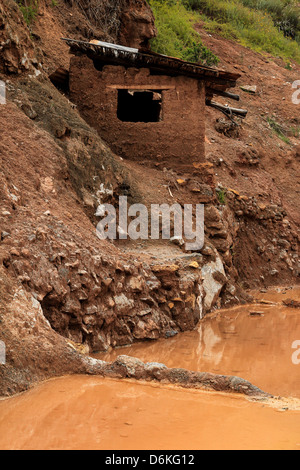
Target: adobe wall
[(179, 137)]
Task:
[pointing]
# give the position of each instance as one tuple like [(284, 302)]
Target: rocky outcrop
[(257, 242), (137, 24), (265, 241), (97, 301), (128, 22), (34, 352), (35, 48)]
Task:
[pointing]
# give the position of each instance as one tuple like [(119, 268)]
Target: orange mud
[(253, 342), (92, 413)]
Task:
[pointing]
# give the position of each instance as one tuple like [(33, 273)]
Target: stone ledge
[(129, 367)]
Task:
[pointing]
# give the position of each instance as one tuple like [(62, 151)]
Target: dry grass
[(105, 14)]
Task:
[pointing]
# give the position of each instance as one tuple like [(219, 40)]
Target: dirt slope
[(256, 161), (62, 286), (259, 162)]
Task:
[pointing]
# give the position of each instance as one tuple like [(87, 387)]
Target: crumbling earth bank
[(39, 48), (16, 47), (61, 286), (58, 280)]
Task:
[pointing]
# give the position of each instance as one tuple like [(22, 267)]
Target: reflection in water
[(257, 348), (95, 413)]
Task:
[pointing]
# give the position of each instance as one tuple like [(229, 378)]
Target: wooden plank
[(226, 94), (113, 46), (141, 87)]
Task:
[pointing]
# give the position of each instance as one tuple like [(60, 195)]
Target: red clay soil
[(255, 162), (52, 166), (258, 162)]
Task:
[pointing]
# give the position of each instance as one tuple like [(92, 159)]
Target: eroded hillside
[(62, 289)]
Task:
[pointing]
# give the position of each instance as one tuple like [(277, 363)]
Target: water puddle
[(253, 342), (92, 413)]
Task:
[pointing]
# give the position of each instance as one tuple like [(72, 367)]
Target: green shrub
[(222, 196), (176, 34)]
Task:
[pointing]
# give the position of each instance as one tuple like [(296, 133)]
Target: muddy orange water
[(94, 413), (253, 342)]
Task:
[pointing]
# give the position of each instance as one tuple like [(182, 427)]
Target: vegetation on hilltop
[(266, 26), (176, 34)]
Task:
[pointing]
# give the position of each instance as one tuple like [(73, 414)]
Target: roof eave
[(119, 55)]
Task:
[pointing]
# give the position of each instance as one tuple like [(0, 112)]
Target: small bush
[(29, 9), (222, 196)]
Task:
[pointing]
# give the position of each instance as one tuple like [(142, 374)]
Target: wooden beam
[(227, 109), (226, 94), (141, 87)]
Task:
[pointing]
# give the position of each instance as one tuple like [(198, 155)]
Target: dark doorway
[(139, 106), (60, 79)]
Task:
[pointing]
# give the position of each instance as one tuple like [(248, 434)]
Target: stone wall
[(179, 135)]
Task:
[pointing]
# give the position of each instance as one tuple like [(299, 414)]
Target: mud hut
[(146, 106)]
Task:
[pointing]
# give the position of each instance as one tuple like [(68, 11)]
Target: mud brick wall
[(178, 137)]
